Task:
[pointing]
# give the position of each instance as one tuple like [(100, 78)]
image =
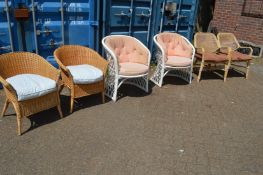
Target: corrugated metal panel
[(57, 22), (176, 16), (7, 27), (129, 17), (145, 18)]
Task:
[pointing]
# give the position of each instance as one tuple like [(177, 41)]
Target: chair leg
[(200, 71), (72, 95), (19, 123), (18, 118), (248, 65), (115, 93), (60, 111), (103, 97), (226, 71), (158, 75), (5, 107), (71, 104), (59, 105), (111, 87)]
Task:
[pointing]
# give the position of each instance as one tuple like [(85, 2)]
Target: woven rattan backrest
[(208, 41), (228, 40), (12, 64), (75, 55)]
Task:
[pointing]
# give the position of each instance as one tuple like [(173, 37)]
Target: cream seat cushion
[(178, 61), (132, 69), (29, 86), (85, 74)]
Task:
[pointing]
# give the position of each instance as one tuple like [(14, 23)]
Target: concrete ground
[(210, 128)]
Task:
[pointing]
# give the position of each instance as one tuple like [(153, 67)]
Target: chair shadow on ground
[(52, 115), (219, 74), (127, 90), (172, 80)]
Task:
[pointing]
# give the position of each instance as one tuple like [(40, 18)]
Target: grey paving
[(210, 128)]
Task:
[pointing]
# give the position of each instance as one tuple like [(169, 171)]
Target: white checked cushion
[(85, 74), (29, 86)]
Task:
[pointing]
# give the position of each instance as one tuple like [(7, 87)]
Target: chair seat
[(85, 74), (177, 61), (213, 57), (30, 86), (237, 56), (133, 69)]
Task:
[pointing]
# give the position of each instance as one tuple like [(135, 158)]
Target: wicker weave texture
[(12, 64), (207, 41), (77, 55), (228, 40)]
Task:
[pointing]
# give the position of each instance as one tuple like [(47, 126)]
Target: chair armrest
[(250, 48), (63, 68), (7, 86)]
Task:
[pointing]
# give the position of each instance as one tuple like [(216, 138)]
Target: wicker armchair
[(229, 40), (209, 52), (129, 62), (72, 55), (174, 57), (13, 65)]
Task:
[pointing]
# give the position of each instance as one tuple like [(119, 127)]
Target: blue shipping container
[(8, 28), (57, 22), (145, 18)]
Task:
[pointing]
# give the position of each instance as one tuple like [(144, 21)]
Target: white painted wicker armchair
[(175, 55), (129, 62)]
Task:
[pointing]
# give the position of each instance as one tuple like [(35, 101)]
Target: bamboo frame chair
[(229, 40), (209, 52), (115, 78), (184, 72), (77, 55), (12, 64)]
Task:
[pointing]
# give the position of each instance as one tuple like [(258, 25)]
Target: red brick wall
[(228, 18)]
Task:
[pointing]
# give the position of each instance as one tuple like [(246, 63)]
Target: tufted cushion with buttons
[(174, 45), (127, 49)]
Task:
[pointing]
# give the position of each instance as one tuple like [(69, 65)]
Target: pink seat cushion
[(237, 56), (174, 45), (127, 49), (133, 69), (212, 57), (178, 61)]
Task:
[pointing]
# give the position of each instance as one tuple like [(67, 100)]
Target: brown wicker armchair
[(71, 55), (229, 40), (24, 63), (209, 52)]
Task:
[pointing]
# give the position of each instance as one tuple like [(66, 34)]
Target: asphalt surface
[(206, 128)]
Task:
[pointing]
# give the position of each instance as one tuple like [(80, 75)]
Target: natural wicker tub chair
[(209, 52), (83, 71), (129, 62), (174, 57), (229, 40), (30, 84)]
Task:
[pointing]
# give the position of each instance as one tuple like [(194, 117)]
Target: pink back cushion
[(174, 45), (127, 49)]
